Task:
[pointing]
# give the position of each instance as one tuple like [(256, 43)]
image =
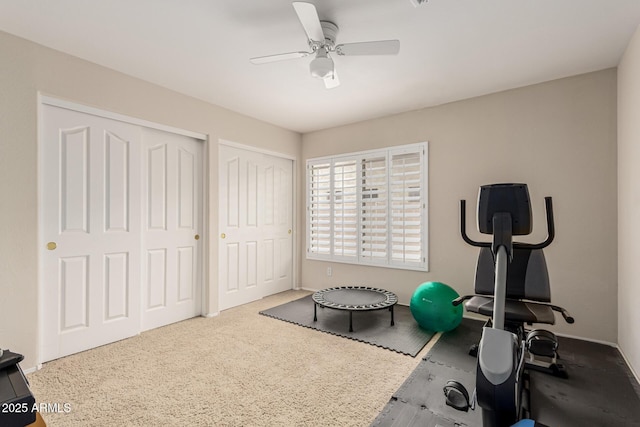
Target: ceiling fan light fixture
[(322, 65)]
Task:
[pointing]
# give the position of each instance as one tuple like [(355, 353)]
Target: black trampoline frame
[(389, 301)]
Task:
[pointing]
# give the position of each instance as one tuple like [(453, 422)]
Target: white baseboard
[(626, 360), (32, 369), (474, 316), (609, 343)]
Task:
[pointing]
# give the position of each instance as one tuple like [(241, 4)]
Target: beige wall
[(25, 69), (628, 203), (558, 137)]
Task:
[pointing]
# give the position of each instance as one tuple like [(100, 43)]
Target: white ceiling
[(450, 49)]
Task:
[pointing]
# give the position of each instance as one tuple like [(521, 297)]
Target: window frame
[(321, 208)]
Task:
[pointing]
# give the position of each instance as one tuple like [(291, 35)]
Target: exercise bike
[(512, 287)]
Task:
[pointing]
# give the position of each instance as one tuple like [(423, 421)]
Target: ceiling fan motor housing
[(330, 31)]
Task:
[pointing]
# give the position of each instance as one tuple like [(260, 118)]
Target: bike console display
[(512, 199)]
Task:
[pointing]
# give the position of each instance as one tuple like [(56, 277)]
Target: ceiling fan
[(321, 36)]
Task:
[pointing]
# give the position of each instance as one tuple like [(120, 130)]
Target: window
[(369, 207)]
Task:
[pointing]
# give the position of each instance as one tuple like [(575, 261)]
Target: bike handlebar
[(550, 229)]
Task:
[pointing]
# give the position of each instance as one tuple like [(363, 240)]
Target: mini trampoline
[(354, 298)]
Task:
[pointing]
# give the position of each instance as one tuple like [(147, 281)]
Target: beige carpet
[(237, 369)]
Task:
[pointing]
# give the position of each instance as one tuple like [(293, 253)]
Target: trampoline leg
[(350, 321), (391, 310), (315, 312)]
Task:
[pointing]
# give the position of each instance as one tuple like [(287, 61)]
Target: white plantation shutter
[(373, 211), (319, 209), (345, 209), (369, 207), (406, 208)]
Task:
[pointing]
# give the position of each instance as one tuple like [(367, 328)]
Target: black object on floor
[(600, 390), (371, 327), (354, 298), (16, 400)]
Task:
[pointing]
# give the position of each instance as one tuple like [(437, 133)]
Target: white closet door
[(172, 221), (91, 229), (121, 214), (255, 223)]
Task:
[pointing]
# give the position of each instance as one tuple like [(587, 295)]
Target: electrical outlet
[(329, 271)]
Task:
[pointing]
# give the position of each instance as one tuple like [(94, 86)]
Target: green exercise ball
[(431, 307)]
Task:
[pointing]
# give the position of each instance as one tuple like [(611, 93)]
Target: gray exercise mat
[(371, 327), (420, 400), (600, 390)]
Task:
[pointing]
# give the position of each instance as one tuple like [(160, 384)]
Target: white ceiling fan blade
[(382, 47), (278, 57), (308, 16), (331, 81)]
